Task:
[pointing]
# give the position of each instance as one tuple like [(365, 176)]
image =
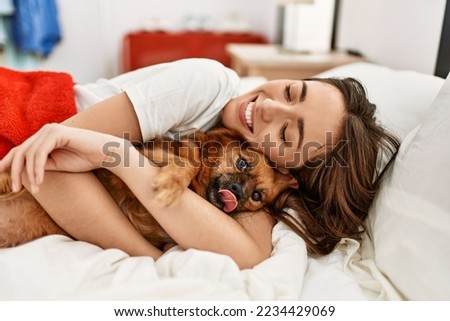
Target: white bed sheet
[(59, 268)]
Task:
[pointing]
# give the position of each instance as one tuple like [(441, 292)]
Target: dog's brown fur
[(204, 162)]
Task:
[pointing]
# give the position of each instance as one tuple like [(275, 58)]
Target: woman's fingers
[(21, 159), (41, 156), (16, 164), (39, 153), (55, 147)]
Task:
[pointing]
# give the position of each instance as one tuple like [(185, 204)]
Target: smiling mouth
[(249, 115)]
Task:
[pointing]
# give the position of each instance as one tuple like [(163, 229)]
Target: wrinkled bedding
[(59, 268)]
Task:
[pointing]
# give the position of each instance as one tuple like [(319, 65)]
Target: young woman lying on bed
[(322, 131)]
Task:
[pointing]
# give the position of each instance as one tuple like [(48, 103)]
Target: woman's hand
[(59, 148)]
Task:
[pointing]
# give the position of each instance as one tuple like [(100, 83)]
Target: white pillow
[(409, 223), (402, 97)]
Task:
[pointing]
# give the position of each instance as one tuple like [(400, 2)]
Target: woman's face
[(289, 120)]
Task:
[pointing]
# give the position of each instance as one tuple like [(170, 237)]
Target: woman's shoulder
[(183, 73), (205, 70)]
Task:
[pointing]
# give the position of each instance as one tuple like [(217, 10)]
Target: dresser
[(144, 48)]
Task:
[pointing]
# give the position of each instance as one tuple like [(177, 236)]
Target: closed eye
[(283, 132), (287, 93)]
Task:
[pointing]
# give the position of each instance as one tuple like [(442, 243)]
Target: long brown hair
[(336, 190)]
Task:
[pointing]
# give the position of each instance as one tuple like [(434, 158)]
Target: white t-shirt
[(171, 98)]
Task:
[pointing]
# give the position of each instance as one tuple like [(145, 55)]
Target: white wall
[(93, 29), (402, 34), (81, 51)]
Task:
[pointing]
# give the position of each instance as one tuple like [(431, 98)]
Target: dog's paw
[(168, 187)]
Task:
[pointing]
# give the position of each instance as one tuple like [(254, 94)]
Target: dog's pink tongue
[(229, 199)]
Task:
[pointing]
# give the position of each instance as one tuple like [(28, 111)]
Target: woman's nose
[(271, 109)]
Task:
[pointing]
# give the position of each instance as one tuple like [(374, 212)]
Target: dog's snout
[(236, 189)]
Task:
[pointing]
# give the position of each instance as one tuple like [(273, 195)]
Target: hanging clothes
[(6, 10), (35, 27)]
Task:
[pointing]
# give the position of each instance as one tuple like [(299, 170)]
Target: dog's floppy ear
[(285, 177)]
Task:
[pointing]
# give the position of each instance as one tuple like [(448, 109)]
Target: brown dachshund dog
[(217, 165)]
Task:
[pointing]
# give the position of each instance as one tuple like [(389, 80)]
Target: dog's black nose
[(236, 189)]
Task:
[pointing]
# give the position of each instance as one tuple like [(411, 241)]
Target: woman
[(322, 131)]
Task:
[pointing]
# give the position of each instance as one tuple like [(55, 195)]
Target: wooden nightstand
[(271, 62)]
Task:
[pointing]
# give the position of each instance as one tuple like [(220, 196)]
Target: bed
[(404, 253)]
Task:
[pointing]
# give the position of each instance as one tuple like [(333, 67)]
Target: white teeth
[(248, 114)]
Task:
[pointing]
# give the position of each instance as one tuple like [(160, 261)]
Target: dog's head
[(236, 177)]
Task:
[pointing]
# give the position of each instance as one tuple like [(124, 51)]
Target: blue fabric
[(35, 27)]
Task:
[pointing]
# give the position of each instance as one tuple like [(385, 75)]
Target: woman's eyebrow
[(304, 90)]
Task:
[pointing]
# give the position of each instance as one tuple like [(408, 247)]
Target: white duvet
[(58, 268)]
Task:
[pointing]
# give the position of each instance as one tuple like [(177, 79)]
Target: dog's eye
[(256, 196), (242, 164)]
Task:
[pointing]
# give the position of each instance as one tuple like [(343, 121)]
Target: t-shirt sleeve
[(181, 96)]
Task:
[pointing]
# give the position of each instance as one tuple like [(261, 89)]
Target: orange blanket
[(29, 100)]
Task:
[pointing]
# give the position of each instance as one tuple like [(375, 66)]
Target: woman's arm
[(78, 202), (114, 116), (81, 206), (194, 222)]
